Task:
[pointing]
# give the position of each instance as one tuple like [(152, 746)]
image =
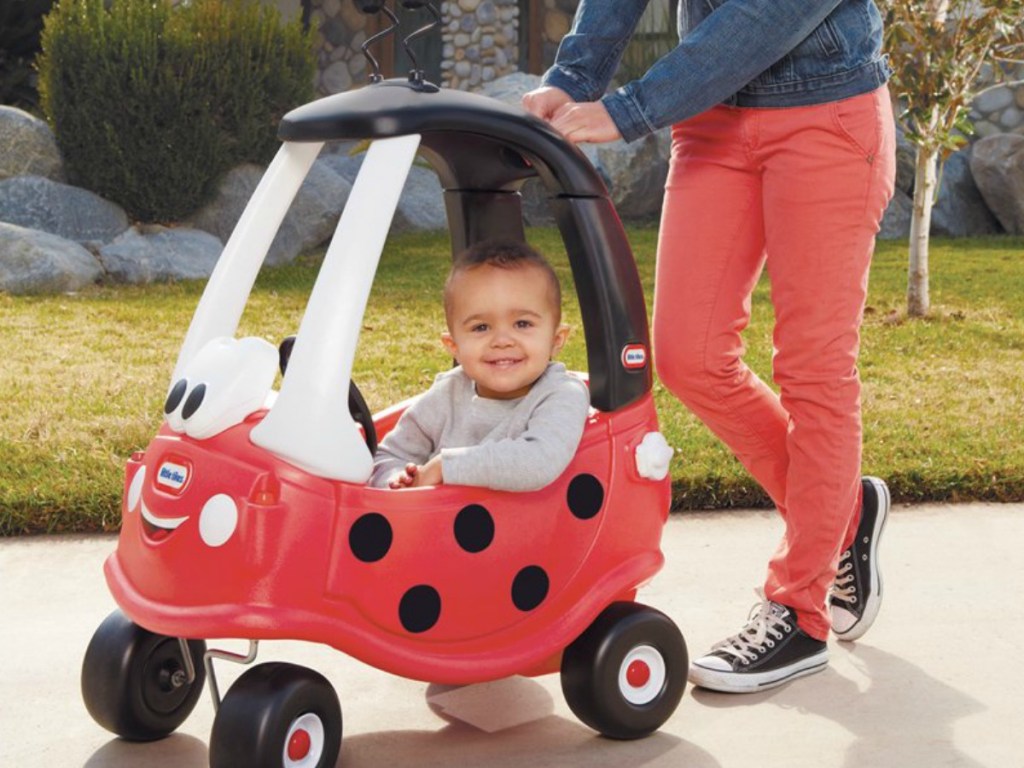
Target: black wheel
[(277, 716), (134, 682), (357, 406), (625, 675)]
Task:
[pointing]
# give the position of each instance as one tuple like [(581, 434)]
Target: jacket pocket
[(827, 38)]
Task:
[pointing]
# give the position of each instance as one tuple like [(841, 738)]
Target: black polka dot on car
[(370, 537), (530, 587), (474, 528), (585, 496), (420, 608), (193, 401), (175, 395)]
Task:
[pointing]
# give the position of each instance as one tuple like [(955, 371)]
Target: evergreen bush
[(151, 103), (21, 22)]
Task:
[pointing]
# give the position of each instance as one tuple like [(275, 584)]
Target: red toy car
[(267, 489)]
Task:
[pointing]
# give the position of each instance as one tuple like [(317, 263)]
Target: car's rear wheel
[(625, 675)]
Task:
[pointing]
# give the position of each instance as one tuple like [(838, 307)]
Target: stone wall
[(481, 42)]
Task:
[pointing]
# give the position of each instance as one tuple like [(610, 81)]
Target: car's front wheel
[(135, 682)]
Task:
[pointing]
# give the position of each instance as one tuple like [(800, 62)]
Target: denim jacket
[(746, 53)]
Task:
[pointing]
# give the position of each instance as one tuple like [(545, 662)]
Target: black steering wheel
[(356, 402)]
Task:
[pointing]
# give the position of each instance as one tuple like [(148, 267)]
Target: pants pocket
[(859, 121)]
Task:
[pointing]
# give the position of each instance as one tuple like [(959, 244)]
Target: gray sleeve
[(535, 458), (413, 438)]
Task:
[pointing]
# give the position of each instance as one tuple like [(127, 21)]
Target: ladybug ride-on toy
[(267, 489)]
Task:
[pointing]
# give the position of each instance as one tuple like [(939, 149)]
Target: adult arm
[(728, 49)]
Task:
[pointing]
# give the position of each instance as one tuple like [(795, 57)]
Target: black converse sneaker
[(769, 651), (857, 591)]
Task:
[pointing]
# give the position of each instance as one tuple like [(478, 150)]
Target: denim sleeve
[(734, 44), (589, 54)]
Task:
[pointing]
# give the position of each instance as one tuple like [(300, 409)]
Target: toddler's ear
[(449, 343), (561, 336)]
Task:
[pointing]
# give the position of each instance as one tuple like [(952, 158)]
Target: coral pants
[(801, 191)]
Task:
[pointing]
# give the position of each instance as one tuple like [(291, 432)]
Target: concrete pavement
[(936, 681)]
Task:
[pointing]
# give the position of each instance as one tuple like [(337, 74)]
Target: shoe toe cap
[(712, 663), (843, 620)]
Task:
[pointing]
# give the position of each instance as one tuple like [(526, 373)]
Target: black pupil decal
[(420, 608), (529, 588), (474, 528), (174, 396), (194, 400), (585, 496), (370, 537)]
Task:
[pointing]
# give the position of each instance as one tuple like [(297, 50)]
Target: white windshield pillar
[(309, 424), (228, 289)]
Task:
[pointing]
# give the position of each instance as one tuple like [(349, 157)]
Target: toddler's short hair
[(503, 254)]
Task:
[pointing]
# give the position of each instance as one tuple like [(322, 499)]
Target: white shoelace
[(764, 627), (843, 586)]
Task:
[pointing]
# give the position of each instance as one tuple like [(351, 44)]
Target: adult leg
[(710, 255), (828, 177)]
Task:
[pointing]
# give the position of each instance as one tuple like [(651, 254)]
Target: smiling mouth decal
[(158, 528)]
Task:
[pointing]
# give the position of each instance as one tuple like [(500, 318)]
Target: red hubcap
[(298, 745), (638, 674)]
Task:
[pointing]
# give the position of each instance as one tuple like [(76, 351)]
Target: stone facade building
[(483, 40)]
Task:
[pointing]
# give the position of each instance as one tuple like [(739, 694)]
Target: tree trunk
[(918, 301)]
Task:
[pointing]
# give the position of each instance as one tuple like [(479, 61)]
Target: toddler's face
[(503, 328)]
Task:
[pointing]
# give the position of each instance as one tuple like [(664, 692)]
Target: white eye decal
[(218, 520), (135, 489), (226, 381)]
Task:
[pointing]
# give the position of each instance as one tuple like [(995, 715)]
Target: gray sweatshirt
[(509, 445)]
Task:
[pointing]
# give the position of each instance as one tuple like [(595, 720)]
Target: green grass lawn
[(83, 377)]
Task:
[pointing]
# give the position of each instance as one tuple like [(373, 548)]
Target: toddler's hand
[(405, 480), (429, 473)]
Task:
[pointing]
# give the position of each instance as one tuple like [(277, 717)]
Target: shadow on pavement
[(901, 710)]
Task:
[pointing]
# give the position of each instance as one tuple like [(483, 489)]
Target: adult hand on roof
[(545, 101), (588, 121)]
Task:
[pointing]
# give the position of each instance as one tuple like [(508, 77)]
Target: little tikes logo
[(634, 357), (172, 475)]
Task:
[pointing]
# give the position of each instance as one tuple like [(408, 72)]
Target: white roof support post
[(228, 289), (309, 424)]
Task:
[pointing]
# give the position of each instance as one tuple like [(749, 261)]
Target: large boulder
[(997, 163), (39, 262), (896, 221), (906, 162), (310, 219), (634, 173), (313, 216), (39, 203), (153, 253), (509, 89), (421, 206), (233, 192), (960, 210), (28, 146)]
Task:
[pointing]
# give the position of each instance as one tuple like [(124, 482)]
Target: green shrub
[(151, 104), (21, 22)]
